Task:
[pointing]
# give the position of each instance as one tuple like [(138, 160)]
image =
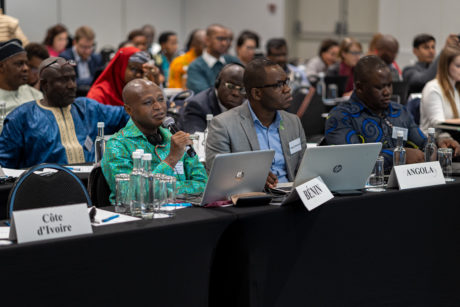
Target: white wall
[(113, 19), (405, 19)]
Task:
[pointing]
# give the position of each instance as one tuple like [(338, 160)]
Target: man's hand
[(414, 156), (152, 73), (450, 143), (178, 143), (272, 180)]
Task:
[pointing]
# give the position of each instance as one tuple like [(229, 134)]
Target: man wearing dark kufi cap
[(14, 74)]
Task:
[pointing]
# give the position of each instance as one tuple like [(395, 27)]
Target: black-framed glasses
[(68, 62), (232, 87), (277, 85)]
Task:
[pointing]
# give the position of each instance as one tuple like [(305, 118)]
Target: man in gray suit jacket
[(261, 123)]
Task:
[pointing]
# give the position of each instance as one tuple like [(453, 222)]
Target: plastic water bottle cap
[(141, 151), (137, 155), (147, 157), (321, 74), (430, 130), (400, 134), (100, 124), (209, 116)]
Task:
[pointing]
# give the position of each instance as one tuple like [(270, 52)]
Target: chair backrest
[(340, 81), (176, 105), (413, 106), (58, 188), (312, 121), (401, 88), (98, 189)]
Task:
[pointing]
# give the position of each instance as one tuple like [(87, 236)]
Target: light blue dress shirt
[(269, 138)]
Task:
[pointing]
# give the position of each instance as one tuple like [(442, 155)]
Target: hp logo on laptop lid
[(239, 175), (337, 168)]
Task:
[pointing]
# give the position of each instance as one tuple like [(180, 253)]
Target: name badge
[(416, 175), (50, 223), (395, 132), (88, 143), (179, 169), (314, 193), (295, 146)]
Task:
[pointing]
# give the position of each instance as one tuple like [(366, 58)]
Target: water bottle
[(399, 153), (99, 144), (135, 189), (2, 113), (321, 86), (147, 185), (208, 123), (431, 150)]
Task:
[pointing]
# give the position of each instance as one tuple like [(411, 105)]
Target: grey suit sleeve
[(303, 142), (218, 141)]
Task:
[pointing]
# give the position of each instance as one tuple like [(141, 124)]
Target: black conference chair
[(52, 189), (401, 89), (312, 121), (176, 105), (98, 188)]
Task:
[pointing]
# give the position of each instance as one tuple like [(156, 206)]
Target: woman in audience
[(128, 63), (56, 40), (246, 46), (350, 51), (327, 56), (440, 97)]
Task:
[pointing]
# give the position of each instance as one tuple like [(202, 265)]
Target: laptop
[(341, 167), (235, 173)]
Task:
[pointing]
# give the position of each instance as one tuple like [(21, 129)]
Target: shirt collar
[(275, 123), (76, 55), (210, 60), (362, 106), (131, 131)]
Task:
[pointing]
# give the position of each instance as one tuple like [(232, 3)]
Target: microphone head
[(167, 122)]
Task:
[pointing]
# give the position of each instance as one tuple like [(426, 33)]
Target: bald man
[(228, 92), (145, 102), (57, 128), (203, 71), (387, 48)]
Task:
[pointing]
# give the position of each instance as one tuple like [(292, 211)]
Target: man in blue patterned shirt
[(369, 116), (145, 103)]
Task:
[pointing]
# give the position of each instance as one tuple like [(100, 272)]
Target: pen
[(178, 205), (74, 168), (110, 218)]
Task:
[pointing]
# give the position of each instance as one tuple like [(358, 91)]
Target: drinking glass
[(122, 199), (375, 182), (445, 159)]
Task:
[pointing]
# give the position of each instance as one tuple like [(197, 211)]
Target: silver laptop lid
[(342, 167), (234, 173)]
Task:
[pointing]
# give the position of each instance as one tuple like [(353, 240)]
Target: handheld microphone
[(170, 124)]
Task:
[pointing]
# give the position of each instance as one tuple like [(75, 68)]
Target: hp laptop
[(341, 167), (235, 173)]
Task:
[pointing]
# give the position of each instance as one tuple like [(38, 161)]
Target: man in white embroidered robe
[(58, 128)]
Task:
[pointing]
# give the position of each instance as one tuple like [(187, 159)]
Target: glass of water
[(445, 159), (376, 181), (122, 198)]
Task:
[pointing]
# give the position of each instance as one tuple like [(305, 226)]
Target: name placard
[(50, 223), (314, 193), (416, 175)]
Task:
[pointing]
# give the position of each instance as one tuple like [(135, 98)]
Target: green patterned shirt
[(189, 172)]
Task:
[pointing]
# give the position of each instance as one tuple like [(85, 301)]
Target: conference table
[(395, 248)]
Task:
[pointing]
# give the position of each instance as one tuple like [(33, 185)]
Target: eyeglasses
[(223, 38), (232, 87), (278, 85), (68, 62), (355, 52)]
